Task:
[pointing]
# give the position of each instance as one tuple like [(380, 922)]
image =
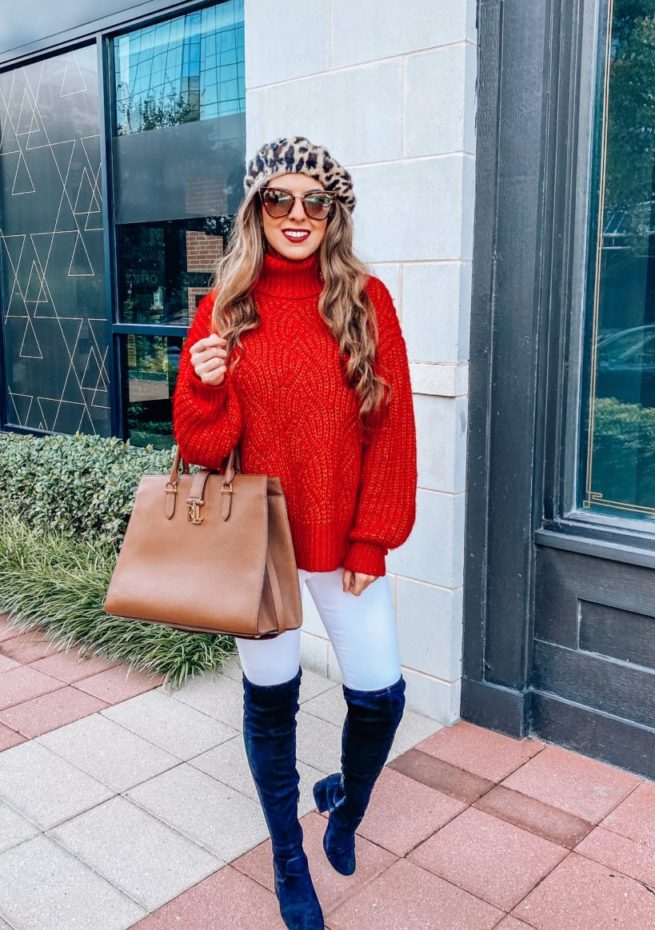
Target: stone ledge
[(442, 380)]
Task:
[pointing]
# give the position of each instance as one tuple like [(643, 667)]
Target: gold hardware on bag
[(194, 510)]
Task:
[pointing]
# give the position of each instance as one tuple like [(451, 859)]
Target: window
[(156, 193), (178, 153), (178, 158), (152, 364), (618, 464)]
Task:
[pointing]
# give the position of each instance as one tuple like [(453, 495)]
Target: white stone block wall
[(389, 88)]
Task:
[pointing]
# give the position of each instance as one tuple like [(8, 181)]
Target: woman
[(298, 354)]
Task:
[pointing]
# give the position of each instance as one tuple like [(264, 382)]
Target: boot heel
[(300, 908), (320, 794)]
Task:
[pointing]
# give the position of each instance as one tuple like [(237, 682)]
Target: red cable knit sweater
[(290, 405)]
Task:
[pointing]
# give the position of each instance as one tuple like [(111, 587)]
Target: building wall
[(390, 90)]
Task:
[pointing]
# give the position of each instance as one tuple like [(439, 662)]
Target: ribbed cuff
[(212, 393), (365, 557)]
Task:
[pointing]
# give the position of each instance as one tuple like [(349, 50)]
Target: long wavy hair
[(343, 303)]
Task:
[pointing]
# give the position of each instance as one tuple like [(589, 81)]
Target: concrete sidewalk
[(123, 804)]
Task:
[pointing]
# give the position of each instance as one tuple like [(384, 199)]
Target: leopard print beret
[(295, 153)]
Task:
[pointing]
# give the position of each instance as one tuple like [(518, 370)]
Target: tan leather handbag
[(210, 552)]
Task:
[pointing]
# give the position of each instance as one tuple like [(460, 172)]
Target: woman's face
[(297, 220)]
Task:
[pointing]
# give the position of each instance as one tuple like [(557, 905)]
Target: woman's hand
[(209, 357), (356, 582)]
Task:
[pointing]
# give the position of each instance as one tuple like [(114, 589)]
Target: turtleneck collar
[(290, 277)]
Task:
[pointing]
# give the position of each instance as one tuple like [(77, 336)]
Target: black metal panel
[(615, 687), (51, 241), (595, 629), (503, 709), (593, 733), (114, 360), (617, 547), (617, 633), (566, 578), (555, 603), (489, 25), (504, 347), (586, 682)]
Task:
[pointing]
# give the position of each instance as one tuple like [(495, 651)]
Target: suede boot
[(368, 732), (269, 732)]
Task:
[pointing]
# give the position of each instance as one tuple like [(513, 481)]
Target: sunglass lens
[(276, 202), (318, 205)]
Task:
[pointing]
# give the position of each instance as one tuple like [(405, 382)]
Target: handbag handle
[(230, 469)]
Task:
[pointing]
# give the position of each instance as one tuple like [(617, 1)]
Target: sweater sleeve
[(386, 508), (207, 419)]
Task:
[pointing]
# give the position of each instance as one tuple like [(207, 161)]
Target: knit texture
[(350, 495)]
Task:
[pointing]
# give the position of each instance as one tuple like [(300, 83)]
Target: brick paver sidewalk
[(123, 804)]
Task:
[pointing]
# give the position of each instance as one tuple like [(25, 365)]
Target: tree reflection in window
[(620, 431)]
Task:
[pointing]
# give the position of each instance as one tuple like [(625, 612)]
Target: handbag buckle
[(193, 509)]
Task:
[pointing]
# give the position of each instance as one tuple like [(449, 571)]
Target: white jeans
[(362, 631)]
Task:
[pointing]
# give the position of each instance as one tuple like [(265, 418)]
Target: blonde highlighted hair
[(343, 303)]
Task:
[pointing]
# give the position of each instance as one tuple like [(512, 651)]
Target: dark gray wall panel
[(593, 733), (546, 627), (52, 269), (618, 633), (502, 377), (563, 579), (614, 687), (595, 634)]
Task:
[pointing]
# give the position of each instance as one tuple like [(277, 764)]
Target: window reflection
[(152, 364), (620, 461), (185, 69), (166, 267)]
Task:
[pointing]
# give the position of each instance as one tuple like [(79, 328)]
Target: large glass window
[(618, 467), (178, 158), (176, 108), (52, 296)]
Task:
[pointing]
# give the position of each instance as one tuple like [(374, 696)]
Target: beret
[(287, 154)]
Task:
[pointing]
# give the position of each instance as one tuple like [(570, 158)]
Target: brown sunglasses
[(278, 202)]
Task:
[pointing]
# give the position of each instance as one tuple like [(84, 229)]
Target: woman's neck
[(290, 277)]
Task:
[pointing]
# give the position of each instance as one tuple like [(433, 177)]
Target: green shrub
[(65, 502), (624, 448), (81, 486)]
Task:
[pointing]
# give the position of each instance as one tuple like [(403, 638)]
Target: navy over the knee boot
[(269, 733), (368, 732)]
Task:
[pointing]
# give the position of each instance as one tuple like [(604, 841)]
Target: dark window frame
[(532, 125)]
